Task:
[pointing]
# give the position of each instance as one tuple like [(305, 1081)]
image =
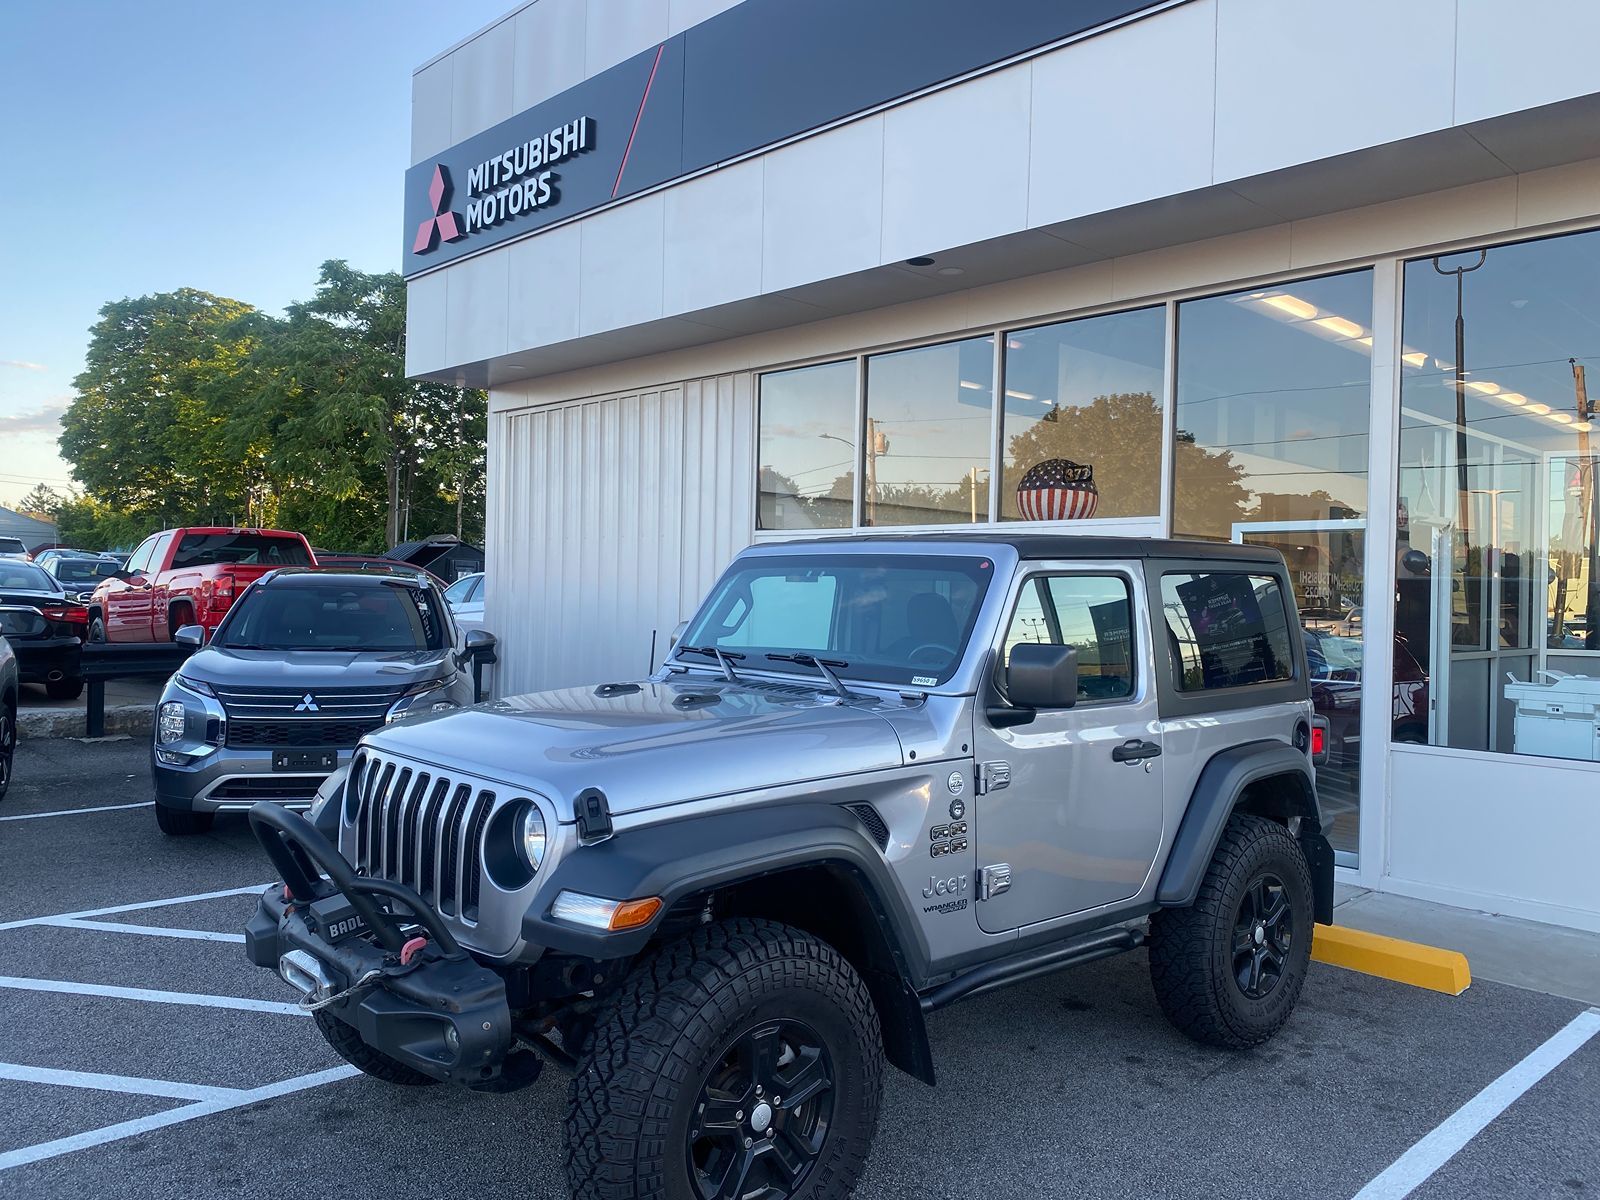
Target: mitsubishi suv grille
[(328, 718), (420, 828)]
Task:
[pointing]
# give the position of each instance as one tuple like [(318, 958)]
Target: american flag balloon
[(1058, 489)]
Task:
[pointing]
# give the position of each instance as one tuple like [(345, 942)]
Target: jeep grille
[(420, 828)]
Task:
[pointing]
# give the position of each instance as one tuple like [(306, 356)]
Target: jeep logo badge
[(308, 703), (955, 885)]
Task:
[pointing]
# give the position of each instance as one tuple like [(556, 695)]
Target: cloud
[(41, 420), (22, 366)]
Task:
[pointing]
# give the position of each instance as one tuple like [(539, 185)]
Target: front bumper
[(435, 1009), (229, 780)]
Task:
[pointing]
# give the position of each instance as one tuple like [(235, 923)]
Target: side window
[(1226, 630), (1091, 613), (158, 552), (476, 595), (458, 591), (139, 560)]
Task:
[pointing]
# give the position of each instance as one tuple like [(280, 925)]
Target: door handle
[(1133, 750)]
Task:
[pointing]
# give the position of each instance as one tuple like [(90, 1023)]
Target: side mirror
[(1416, 562), (479, 643), (190, 635), (677, 635), (1042, 676)]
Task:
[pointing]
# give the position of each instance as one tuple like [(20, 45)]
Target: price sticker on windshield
[(925, 680)]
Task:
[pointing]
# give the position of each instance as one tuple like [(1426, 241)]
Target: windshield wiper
[(821, 664), (722, 656)]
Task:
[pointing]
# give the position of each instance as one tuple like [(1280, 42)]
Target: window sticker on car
[(926, 680)]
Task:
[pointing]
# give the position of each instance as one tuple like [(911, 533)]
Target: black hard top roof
[(1071, 545)]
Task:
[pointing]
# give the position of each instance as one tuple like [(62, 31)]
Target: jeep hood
[(664, 743)]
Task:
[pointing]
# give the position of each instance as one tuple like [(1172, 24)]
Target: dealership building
[(1318, 277)]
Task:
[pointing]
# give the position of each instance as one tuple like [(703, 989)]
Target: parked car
[(465, 596), (877, 775), (44, 627), (10, 685), (369, 562), (79, 574), (11, 547), (1335, 666), (305, 663), (187, 577)]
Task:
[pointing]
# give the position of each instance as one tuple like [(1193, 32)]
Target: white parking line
[(127, 1129), (72, 812), (135, 907), (193, 935), (151, 995), (131, 1085), (1417, 1164)]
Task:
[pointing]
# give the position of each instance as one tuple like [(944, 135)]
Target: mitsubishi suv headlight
[(169, 724)]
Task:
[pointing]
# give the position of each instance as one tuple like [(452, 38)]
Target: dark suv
[(305, 663)]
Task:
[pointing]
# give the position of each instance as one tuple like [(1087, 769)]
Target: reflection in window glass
[(807, 448), (1274, 387), (1082, 415), (1090, 613), (1226, 630), (1498, 589), (928, 434)]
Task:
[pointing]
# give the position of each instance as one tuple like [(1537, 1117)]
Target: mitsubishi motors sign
[(750, 77)]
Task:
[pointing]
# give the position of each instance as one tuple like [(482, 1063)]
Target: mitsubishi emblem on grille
[(307, 703)]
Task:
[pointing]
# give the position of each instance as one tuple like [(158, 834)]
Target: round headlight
[(531, 835)]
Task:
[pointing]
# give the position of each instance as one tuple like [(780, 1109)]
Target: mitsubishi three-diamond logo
[(444, 225), (307, 704)]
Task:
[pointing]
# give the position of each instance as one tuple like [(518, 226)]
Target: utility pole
[(1589, 510), (1463, 490)]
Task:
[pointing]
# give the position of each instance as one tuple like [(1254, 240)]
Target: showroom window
[(1497, 609), (807, 448), (1082, 418), (929, 428)]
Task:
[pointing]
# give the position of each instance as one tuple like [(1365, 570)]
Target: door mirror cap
[(677, 634), (479, 643), (190, 635), (1042, 676)]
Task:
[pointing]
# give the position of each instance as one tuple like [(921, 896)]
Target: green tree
[(42, 503), (161, 377), (359, 454)]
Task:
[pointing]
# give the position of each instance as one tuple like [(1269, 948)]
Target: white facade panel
[(622, 256), (481, 94), (955, 165), (619, 29), (430, 109), (427, 311), (712, 249), (477, 312), (545, 283), (1509, 835), (611, 519), (803, 239), (1299, 81), (1107, 132), (550, 47), (681, 14), (1515, 57)]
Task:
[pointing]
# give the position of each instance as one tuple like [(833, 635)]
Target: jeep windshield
[(901, 620), (306, 614)]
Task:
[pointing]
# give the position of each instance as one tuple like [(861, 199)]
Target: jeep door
[(1071, 799)]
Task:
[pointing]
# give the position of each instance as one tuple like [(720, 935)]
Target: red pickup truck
[(184, 577)]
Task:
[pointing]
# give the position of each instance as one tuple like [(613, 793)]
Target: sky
[(161, 144)]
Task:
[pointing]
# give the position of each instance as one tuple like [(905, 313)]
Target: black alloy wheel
[(762, 1115), (1263, 930)]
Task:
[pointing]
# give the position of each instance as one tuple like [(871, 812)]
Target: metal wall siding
[(610, 517)]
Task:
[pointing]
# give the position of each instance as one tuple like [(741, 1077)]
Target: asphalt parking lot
[(142, 1056)]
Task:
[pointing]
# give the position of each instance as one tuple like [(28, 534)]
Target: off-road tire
[(176, 822), (1191, 949), (643, 1067), (347, 1044), (8, 745), (64, 689)]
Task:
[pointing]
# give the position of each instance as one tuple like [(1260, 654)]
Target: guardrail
[(105, 661)]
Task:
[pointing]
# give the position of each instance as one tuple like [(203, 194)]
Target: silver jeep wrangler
[(875, 776)]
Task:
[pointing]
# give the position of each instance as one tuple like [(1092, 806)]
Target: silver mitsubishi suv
[(875, 776)]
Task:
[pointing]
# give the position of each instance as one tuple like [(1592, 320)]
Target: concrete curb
[(135, 719), (1391, 958)]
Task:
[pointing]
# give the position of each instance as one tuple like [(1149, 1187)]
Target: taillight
[(222, 589), (1319, 741), (70, 616)]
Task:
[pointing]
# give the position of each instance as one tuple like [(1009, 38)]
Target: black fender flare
[(1217, 794), (683, 860)]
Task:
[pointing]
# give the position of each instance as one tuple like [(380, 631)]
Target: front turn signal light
[(596, 912)]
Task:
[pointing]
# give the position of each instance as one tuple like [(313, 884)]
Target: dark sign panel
[(763, 71)]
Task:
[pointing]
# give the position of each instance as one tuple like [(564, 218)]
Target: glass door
[(1326, 569)]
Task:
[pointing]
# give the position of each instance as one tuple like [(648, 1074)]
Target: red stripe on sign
[(648, 84)]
